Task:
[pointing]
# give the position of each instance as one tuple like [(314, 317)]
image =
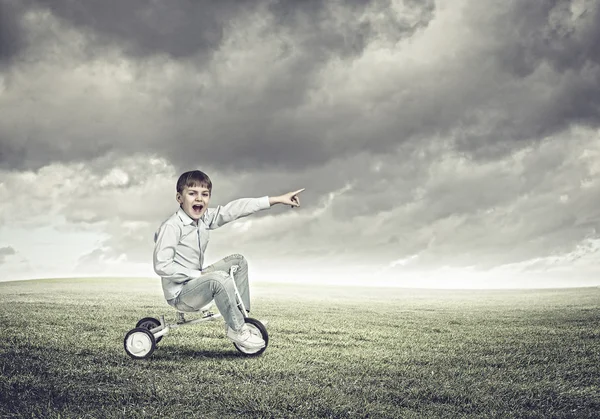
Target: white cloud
[(402, 261)]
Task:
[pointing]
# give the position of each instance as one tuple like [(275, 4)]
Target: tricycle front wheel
[(257, 328)]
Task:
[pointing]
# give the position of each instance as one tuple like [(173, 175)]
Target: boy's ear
[(178, 198)]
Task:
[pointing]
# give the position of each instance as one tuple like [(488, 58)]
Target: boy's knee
[(237, 259), (241, 260)]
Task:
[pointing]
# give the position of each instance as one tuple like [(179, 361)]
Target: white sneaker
[(245, 338)]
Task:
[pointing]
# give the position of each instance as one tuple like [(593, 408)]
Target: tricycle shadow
[(169, 354)]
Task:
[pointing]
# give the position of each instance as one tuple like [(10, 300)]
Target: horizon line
[(324, 284)]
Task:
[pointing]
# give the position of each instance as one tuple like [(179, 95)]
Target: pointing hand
[(290, 198)]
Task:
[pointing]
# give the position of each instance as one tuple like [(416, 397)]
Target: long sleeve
[(165, 266), (221, 215)]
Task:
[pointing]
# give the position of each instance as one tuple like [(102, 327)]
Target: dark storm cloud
[(551, 50), (548, 32), (276, 125), (178, 28), (262, 124), (524, 73), (181, 28), (516, 73), (11, 32), (324, 30)]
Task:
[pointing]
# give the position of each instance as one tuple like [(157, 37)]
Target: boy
[(181, 241)]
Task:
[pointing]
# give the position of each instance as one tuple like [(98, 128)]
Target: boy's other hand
[(290, 198)]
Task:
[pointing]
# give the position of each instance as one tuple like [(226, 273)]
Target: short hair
[(193, 178)]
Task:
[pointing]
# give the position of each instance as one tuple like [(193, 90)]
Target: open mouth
[(197, 208)]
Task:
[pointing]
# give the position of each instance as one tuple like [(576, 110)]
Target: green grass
[(333, 352)]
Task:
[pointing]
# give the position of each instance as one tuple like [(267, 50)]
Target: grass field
[(333, 352)]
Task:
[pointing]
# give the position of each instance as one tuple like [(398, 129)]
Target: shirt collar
[(185, 219)]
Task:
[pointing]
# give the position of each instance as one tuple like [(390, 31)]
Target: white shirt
[(180, 242)]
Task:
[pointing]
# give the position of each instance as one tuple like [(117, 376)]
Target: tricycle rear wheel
[(139, 343)]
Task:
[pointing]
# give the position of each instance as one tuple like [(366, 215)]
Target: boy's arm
[(221, 215), (165, 266), (245, 206)]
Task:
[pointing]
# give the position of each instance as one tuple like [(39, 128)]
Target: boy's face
[(194, 200)]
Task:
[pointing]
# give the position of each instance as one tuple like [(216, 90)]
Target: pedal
[(207, 313), (180, 318)]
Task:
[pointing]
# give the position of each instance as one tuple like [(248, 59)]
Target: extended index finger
[(298, 191)]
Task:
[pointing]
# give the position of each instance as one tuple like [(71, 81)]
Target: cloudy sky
[(449, 144)]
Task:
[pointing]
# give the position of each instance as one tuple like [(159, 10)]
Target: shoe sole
[(250, 348), (245, 344)]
